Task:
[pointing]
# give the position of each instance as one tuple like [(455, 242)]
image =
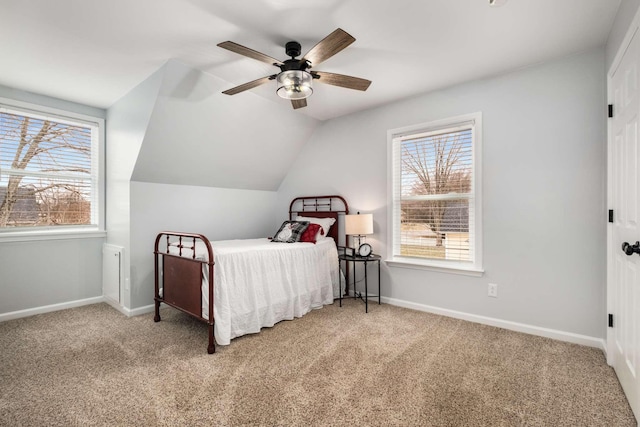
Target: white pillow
[(186, 243), (325, 223), (187, 249)]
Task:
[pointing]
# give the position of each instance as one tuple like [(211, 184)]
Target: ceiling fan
[(295, 77)]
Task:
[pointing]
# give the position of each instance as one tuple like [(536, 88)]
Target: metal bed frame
[(181, 277)]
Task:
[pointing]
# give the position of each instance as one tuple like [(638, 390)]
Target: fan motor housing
[(293, 49), (294, 64)]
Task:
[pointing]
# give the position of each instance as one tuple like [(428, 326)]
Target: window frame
[(474, 268), (68, 231)]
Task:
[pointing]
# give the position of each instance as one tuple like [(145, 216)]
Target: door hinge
[(610, 215), (610, 320), (610, 110)]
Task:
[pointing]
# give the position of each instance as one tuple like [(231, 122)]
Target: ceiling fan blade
[(248, 85), (341, 80), (299, 103), (329, 46), (245, 51)]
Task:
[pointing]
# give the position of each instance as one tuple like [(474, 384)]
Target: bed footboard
[(180, 276)]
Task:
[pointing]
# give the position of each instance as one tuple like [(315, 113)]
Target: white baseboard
[(49, 308), (141, 310), (78, 303), (505, 324), (128, 311)]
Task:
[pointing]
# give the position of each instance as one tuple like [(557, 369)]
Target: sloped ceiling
[(127, 124), (94, 52), (198, 136)]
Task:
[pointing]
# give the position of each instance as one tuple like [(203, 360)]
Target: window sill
[(451, 269), (29, 236)]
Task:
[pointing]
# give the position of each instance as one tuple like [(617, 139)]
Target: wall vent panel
[(112, 260)]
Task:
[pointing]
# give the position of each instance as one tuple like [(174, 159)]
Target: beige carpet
[(335, 366)]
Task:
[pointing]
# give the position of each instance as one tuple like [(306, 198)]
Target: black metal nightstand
[(366, 260)]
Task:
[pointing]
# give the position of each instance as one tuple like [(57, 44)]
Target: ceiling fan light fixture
[(496, 3), (293, 80), (294, 84)]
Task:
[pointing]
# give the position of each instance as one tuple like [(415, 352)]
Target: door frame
[(631, 32)]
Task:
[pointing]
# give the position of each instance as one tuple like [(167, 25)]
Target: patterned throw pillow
[(290, 231), (309, 234)]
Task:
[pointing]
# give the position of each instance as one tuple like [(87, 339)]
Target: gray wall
[(36, 274), (544, 168), (218, 213), (127, 122), (39, 273), (47, 101), (624, 17), (544, 164)]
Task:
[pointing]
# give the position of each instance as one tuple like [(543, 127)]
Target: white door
[(624, 270)]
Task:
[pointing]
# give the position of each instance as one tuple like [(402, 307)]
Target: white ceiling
[(94, 52)]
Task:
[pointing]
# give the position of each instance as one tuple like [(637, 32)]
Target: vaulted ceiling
[(197, 136), (94, 52)]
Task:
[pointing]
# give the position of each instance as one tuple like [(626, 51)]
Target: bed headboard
[(322, 207)]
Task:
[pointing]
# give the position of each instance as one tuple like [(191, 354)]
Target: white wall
[(544, 192), (626, 13), (40, 273), (218, 213)]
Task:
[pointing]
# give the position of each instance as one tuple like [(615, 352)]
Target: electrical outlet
[(493, 290), (126, 284)]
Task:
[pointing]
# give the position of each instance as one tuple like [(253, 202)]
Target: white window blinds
[(434, 194), (48, 170)]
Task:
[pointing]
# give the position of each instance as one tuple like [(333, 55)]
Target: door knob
[(631, 249)]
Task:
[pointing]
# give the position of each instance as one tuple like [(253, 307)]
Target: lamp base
[(360, 239)]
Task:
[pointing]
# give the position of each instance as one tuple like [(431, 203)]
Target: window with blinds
[(48, 171), (435, 209)]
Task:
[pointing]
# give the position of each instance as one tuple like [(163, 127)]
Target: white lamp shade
[(358, 225)]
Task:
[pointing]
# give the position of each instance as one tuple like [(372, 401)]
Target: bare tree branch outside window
[(437, 168), (45, 172), (435, 185)]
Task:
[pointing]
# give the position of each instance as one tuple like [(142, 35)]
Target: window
[(49, 170), (435, 198)]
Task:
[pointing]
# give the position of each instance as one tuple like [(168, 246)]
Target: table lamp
[(358, 226)]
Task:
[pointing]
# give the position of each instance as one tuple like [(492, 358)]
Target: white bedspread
[(258, 283)]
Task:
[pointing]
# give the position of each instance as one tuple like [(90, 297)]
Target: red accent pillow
[(309, 235)]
